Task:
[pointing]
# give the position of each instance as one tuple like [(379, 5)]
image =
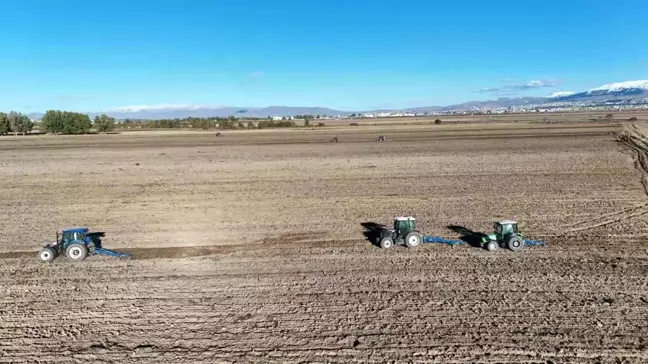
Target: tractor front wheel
[(492, 245), (386, 242), (47, 255), (412, 240), (76, 252), (515, 243)]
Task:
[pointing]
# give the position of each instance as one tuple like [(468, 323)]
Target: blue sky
[(345, 54)]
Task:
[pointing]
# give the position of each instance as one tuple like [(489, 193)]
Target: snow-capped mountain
[(610, 91), (620, 86), (561, 94)]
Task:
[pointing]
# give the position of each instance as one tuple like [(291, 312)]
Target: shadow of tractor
[(470, 237), (372, 232)]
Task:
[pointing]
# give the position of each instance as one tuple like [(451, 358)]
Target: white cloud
[(540, 83), (509, 88), (488, 90)]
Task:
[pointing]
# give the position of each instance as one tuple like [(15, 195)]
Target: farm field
[(249, 247)]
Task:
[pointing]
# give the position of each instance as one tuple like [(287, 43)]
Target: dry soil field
[(249, 247)]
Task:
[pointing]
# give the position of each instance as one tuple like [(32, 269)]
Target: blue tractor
[(76, 244)]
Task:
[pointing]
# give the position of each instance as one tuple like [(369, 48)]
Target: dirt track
[(255, 253)]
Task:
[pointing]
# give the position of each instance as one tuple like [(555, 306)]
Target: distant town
[(608, 105)]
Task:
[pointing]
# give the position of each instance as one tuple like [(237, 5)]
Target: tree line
[(67, 122), (220, 123), (16, 123)]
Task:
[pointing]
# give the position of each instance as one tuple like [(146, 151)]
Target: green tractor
[(506, 234), (404, 232)]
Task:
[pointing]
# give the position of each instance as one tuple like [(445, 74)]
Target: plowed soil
[(249, 247)]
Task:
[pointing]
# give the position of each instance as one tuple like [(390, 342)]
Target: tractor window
[(401, 225), (515, 229), (498, 229), (507, 229), (67, 236)]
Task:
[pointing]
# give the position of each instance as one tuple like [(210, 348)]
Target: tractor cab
[(70, 235), (403, 225), (505, 228)]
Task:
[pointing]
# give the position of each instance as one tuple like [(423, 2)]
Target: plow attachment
[(112, 253), (439, 240), (534, 243)]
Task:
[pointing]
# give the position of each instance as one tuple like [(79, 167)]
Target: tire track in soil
[(634, 140), (637, 143), (284, 241), (616, 217)]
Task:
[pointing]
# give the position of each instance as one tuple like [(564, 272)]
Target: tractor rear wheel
[(515, 243), (492, 245), (386, 242), (412, 240), (76, 252), (47, 255)]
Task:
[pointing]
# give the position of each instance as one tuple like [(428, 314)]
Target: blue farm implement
[(439, 240), (76, 244)]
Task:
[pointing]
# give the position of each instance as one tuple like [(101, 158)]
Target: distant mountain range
[(618, 90), (629, 90)]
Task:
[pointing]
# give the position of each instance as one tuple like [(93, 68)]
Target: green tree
[(52, 122), (24, 125), (65, 122), (5, 128), (78, 123), (14, 121), (104, 123), (250, 125), (18, 123)]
